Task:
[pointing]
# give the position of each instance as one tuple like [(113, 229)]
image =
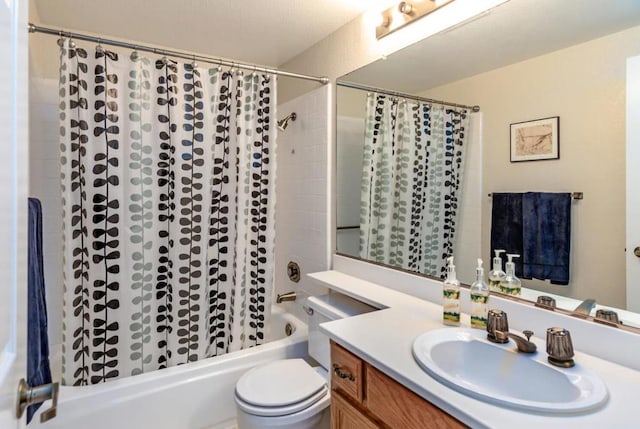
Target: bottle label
[(514, 291), (479, 304), (451, 307), (494, 285)]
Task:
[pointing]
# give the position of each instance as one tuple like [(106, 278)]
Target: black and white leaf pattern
[(413, 161), (168, 212)]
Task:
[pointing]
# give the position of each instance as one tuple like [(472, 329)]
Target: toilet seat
[(281, 411), (280, 388)]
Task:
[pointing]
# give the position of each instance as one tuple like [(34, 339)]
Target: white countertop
[(384, 338)]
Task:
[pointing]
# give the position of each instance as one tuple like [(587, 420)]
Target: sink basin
[(466, 361)]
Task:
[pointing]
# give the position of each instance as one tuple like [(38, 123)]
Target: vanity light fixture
[(405, 13)]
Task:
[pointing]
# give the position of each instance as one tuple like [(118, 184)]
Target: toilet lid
[(279, 384)]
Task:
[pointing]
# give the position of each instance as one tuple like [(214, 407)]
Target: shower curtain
[(411, 182), (168, 180)]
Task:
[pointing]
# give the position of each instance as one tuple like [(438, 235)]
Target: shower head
[(284, 123)]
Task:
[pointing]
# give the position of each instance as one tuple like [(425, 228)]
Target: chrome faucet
[(524, 345), (585, 307), (498, 332), (289, 296)]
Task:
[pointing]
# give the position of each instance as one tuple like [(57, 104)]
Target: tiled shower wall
[(302, 194), (44, 184), (301, 212)]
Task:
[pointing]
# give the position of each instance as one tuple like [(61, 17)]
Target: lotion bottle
[(451, 295), (479, 292), (496, 275), (511, 285)]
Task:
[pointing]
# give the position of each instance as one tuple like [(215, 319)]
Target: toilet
[(290, 393)]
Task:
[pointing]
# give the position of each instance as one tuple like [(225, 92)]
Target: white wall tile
[(44, 184), (301, 188)]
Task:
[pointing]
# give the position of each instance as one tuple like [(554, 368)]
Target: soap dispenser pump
[(479, 292), (496, 275), (511, 285), (451, 295)]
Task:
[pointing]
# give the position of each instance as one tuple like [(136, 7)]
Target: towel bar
[(574, 195)]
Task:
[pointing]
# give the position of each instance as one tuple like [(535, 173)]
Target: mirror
[(520, 62)]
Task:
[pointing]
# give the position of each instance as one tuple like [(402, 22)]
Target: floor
[(228, 424)]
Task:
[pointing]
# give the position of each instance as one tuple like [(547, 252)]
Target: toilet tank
[(325, 309)]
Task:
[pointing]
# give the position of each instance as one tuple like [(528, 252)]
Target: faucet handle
[(607, 315), (497, 321), (560, 347), (547, 302)]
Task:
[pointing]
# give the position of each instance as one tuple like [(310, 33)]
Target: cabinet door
[(346, 373), (345, 416), (400, 408)]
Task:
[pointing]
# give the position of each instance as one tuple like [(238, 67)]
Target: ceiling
[(265, 32), (510, 33)]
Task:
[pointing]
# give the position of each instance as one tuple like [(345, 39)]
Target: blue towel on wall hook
[(38, 367)]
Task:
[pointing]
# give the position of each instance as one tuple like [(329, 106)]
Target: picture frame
[(535, 140)]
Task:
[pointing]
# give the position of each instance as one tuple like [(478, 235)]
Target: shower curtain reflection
[(411, 183), (168, 211)]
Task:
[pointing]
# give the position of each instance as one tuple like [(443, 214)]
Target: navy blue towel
[(38, 368), (506, 226), (546, 230)]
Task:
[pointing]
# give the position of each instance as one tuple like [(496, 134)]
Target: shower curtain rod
[(177, 54), (409, 96)]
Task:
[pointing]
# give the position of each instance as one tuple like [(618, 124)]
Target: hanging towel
[(546, 229), (38, 368), (506, 226)]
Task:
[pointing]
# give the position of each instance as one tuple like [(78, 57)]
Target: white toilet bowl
[(290, 394), (285, 394)]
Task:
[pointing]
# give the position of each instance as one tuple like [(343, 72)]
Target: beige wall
[(585, 86)]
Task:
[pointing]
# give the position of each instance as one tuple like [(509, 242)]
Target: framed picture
[(535, 140)]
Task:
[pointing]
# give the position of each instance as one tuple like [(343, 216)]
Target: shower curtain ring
[(99, 48), (135, 55), (194, 65)]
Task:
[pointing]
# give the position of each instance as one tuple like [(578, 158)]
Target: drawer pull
[(342, 374)]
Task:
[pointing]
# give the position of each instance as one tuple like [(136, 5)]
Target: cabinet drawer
[(346, 373), (399, 407), (346, 416)]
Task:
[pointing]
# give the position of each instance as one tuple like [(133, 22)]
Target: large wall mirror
[(522, 61)]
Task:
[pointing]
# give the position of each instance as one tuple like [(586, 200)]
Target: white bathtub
[(194, 396)]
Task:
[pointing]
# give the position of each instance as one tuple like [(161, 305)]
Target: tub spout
[(289, 296)]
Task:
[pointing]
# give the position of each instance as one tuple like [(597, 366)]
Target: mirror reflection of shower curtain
[(411, 183), (168, 185)]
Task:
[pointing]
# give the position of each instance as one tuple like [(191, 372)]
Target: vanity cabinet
[(365, 398)]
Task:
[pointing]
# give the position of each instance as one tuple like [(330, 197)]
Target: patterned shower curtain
[(168, 174), (412, 171)]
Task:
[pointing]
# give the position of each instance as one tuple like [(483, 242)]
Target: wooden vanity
[(362, 397)]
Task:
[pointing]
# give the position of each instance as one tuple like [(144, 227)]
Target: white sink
[(466, 361)]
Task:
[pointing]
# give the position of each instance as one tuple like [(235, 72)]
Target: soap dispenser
[(511, 285), (496, 275), (451, 294), (479, 292)]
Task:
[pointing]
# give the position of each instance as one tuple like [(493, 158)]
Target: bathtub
[(194, 396)]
